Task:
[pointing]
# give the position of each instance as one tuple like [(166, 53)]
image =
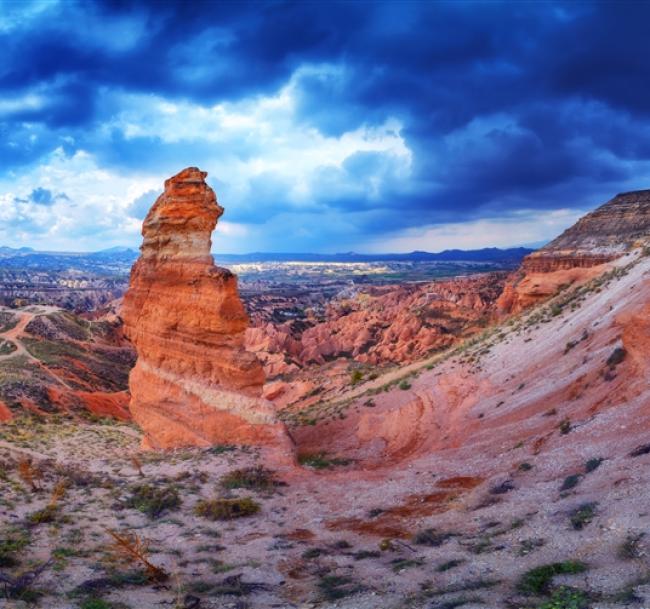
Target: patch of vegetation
[(530, 545), (95, 603), (639, 451), (321, 460), (538, 581), (46, 515), (363, 554), (593, 464), (566, 597), (565, 426), (400, 564), (8, 321), (335, 587), (450, 564), (12, 542), (254, 478), (404, 385), (6, 347), (570, 482), (226, 509), (581, 516), (617, 356), (631, 547), (220, 449), (356, 376), (153, 500), (524, 467), (431, 537)]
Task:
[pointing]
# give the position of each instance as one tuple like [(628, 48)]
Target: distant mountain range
[(488, 254), (119, 259)]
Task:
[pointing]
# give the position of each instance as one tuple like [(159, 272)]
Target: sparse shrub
[(321, 460), (529, 545), (219, 449), (153, 500), (335, 587), (525, 467), (431, 537), (404, 385), (617, 357), (502, 488), (312, 553), (639, 451), (570, 482), (565, 426), (539, 579), (12, 542), (399, 564), (566, 597), (581, 516), (363, 554), (593, 464), (45, 515), (256, 478), (226, 509), (631, 547), (131, 548), (30, 474), (95, 603), (450, 564), (356, 376)]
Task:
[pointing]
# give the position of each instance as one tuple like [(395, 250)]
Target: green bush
[(153, 501), (226, 509), (539, 579), (256, 478)]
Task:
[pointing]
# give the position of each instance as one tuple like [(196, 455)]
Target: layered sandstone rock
[(194, 384), (580, 252), (381, 325)]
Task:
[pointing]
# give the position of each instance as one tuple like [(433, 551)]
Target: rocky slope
[(52, 361), (367, 329), (581, 252), (193, 383)]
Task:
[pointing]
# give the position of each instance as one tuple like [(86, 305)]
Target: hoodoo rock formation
[(194, 384), (580, 252)]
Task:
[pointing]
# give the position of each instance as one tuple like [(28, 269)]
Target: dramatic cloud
[(323, 126)]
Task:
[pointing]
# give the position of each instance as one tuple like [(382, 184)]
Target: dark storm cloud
[(504, 106)]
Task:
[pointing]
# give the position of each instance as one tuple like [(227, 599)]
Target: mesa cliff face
[(194, 384), (581, 251)]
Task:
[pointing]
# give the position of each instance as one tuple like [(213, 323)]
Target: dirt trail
[(14, 334)]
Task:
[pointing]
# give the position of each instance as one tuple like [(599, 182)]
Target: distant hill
[(118, 260), (488, 254)]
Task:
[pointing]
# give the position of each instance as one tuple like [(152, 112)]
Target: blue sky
[(324, 126)]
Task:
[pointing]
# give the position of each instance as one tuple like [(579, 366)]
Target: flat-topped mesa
[(581, 251), (601, 236), (194, 384)]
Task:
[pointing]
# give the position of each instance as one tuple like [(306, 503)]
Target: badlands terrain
[(477, 442)]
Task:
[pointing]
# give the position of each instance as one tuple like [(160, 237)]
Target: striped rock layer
[(194, 384)]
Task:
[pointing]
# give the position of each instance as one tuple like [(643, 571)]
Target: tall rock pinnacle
[(194, 384)]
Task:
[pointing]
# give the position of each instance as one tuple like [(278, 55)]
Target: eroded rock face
[(581, 251), (194, 384)]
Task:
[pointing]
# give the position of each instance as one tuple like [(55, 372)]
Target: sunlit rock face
[(581, 251), (194, 384)]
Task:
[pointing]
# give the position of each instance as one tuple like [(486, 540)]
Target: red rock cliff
[(194, 384), (580, 252)]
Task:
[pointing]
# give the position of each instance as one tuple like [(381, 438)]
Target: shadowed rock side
[(581, 252), (194, 384)]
